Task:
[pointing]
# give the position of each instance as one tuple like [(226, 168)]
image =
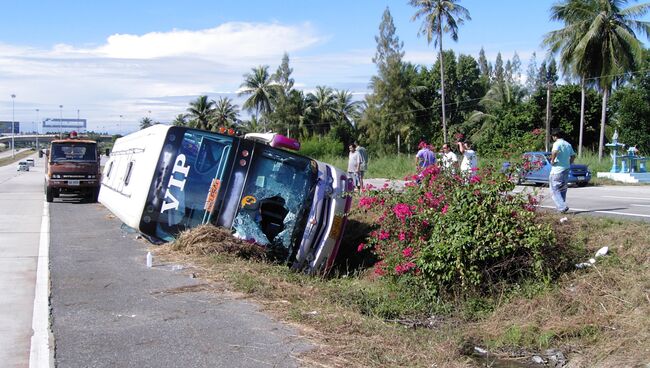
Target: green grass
[(19, 156)]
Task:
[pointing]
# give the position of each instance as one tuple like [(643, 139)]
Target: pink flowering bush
[(447, 233)]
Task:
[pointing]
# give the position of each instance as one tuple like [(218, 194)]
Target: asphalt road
[(110, 310)]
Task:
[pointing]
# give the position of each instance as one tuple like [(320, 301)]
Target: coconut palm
[(598, 43), (322, 107), (440, 16), (226, 114), (200, 113), (260, 87), (146, 122), (180, 120), (347, 110)]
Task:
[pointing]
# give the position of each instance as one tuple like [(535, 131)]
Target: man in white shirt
[(448, 157), (354, 165), (363, 166), (469, 162)]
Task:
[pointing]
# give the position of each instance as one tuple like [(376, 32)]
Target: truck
[(165, 179), (73, 166)]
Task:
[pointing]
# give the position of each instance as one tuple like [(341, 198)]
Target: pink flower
[(444, 209), (407, 252), (366, 202), (402, 236), (475, 179), (402, 211), (404, 268), (383, 235), (360, 247)]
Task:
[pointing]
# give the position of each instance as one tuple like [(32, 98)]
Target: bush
[(451, 233), (322, 146)]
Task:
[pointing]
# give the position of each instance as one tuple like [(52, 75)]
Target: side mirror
[(47, 152), (108, 151), (40, 153)]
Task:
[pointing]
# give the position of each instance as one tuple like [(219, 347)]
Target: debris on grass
[(211, 240)]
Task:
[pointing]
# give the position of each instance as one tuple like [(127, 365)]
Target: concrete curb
[(41, 355)]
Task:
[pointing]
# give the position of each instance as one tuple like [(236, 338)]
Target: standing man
[(469, 162), (448, 158), (562, 157), (354, 165), (364, 162), (425, 157)]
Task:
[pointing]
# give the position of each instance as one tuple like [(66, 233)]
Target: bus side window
[(129, 169), (110, 169)]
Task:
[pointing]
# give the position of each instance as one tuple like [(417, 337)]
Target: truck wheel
[(94, 195), (48, 194)]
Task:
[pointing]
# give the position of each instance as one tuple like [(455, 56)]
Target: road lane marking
[(599, 211), (640, 205), (40, 355), (635, 198)]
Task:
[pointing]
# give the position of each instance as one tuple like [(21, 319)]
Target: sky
[(115, 62)]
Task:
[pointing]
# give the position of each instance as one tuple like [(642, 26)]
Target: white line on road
[(40, 355), (640, 205), (599, 211), (635, 198)]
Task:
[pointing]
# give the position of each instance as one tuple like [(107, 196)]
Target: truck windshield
[(276, 197), (69, 151), (195, 180)]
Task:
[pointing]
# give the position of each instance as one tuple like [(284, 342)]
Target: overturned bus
[(165, 179)]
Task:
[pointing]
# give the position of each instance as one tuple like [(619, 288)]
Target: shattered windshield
[(74, 152), (194, 183), (276, 197)]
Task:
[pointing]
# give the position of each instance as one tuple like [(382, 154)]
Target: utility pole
[(13, 132), (547, 141)]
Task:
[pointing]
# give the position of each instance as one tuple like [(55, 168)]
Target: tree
[(180, 120), (200, 113), (440, 16), (531, 75), (499, 71), (322, 107), (146, 122), (388, 111), (598, 42), (282, 102), (259, 86), (225, 114)]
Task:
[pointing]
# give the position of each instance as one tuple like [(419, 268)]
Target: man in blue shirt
[(425, 157), (562, 157)]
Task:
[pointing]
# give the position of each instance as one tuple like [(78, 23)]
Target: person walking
[(425, 157), (562, 156), (363, 167), (448, 158), (469, 162), (354, 165)]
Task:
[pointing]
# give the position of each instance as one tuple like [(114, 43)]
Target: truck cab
[(73, 166)]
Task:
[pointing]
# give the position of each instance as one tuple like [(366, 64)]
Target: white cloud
[(127, 74)]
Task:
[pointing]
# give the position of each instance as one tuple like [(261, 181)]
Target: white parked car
[(30, 162)]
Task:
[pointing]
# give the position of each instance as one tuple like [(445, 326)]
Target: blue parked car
[(540, 168)]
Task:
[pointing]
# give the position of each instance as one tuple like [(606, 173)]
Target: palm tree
[(598, 43), (252, 125), (200, 112), (180, 120), (440, 16), (146, 122), (225, 114), (261, 88), (347, 110), (322, 106)]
